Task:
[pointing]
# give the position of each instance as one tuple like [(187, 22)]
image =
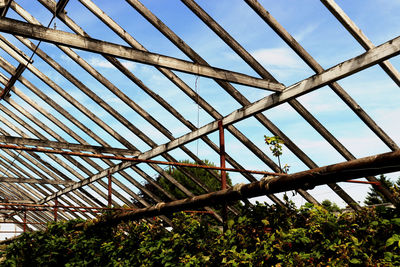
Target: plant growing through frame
[(275, 145)]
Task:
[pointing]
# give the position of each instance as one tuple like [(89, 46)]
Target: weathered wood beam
[(33, 181), (341, 92), (344, 69), (373, 165), (361, 38), (19, 201), (61, 4), (4, 6), (93, 45), (64, 145), (30, 19), (252, 62), (18, 72), (315, 66), (177, 81)]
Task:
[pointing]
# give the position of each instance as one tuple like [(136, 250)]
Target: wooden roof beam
[(18, 72), (33, 181), (361, 38), (252, 62), (65, 145), (4, 6), (97, 46), (342, 70), (61, 4)]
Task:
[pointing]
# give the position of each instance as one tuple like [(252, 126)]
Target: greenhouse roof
[(121, 89)]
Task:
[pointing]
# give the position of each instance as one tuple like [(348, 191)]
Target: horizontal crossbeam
[(377, 164), (64, 145), (34, 181), (94, 45)]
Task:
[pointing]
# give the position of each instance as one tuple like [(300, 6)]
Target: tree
[(375, 197), (202, 175), (330, 206)]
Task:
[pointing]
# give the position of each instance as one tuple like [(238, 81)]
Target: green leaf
[(392, 239), (355, 261)]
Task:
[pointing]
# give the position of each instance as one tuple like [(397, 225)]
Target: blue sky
[(308, 21)]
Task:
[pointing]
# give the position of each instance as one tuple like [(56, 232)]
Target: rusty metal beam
[(137, 160), (373, 165), (93, 45)]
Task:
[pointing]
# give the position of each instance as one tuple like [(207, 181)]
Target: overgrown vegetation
[(262, 236)]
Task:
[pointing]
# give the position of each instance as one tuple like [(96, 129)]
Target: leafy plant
[(275, 145), (262, 236)]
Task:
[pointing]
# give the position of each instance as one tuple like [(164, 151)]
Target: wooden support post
[(109, 189), (55, 209), (223, 172)]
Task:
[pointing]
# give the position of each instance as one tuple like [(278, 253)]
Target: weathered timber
[(252, 62), (175, 79), (347, 99), (373, 165), (65, 145), (344, 69), (93, 45), (33, 181), (361, 38)]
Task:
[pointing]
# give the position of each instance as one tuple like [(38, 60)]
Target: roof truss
[(47, 178)]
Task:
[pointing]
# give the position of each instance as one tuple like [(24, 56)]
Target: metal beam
[(34, 181), (93, 45), (344, 69), (64, 145), (373, 165), (137, 160)]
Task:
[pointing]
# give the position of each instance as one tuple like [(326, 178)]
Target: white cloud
[(277, 57), (305, 32), (102, 63)]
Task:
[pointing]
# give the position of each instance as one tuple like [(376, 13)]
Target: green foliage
[(262, 236), (329, 206), (275, 145)]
